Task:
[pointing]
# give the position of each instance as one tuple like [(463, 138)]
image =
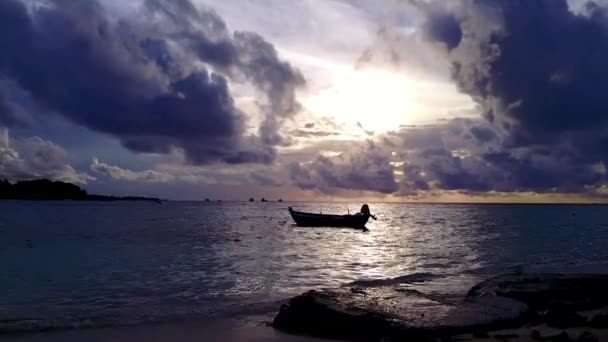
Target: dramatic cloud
[(367, 170), (7, 117), (169, 78), (34, 158), (536, 67), (119, 173), (264, 179), (157, 82), (470, 156), (311, 133), (464, 155), (538, 71)]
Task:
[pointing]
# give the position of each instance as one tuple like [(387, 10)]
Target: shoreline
[(214, 330), (230, 330)]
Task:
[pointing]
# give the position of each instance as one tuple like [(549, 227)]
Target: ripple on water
[(137, 261)]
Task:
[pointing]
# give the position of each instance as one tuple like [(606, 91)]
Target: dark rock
[(385, 311), (587, 337), (541, 291), (481, 334), (309, 314), (535, 335), (372, 310), (599, 321), (561, 337), (358, 291), (562, 318)]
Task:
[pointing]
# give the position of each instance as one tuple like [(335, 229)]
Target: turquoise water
[(87, 264)]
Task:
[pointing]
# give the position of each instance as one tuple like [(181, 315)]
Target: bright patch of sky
[(324, 39)]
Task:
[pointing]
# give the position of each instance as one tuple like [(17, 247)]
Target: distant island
[(44, 189)]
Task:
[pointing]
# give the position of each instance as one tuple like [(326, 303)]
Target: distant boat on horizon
[(263, 200), (251, 200)]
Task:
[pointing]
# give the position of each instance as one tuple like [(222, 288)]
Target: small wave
[(237, 311), (36, 325), (406, 279), (25, 325)]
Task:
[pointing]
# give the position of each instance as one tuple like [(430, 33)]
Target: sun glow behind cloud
[(380, 101)]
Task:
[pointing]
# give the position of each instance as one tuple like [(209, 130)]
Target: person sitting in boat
[(365, 211)]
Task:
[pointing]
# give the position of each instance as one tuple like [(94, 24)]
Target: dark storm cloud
[(446, 156), (7, 113), (539, 72), (534, 65), (263, 179), (467, 155), (445, 28), (367, 170), (483, 134), (144, 82), (541, 172), (246, 53), (309, 133)]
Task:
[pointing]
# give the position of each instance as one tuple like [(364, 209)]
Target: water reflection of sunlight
[(368, 259), (405, 240)]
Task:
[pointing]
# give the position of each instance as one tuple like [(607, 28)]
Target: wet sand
[(175, 332), (525, 334)]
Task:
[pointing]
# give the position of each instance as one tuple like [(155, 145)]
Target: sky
[(390, 100)]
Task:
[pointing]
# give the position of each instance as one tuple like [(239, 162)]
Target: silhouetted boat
[(325, 220)]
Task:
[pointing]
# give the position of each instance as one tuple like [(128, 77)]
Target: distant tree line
[(44, 189)]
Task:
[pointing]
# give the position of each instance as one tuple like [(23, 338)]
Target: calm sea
[(87, 264)]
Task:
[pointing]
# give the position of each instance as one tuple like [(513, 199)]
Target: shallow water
[(72, 264)]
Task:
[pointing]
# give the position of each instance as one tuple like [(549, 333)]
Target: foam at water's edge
[(406, 279), (261, 312)]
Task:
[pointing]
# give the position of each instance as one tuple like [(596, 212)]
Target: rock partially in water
[(541, 291), (562, 318), (373, 313), (599, 321), (387, 310), (587, 337)]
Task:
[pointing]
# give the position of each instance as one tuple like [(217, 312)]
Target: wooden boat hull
[(321, 220)]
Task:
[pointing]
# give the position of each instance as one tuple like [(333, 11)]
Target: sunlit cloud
[(388, 100)]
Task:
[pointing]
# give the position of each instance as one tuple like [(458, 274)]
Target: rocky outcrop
[(392, 311)]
